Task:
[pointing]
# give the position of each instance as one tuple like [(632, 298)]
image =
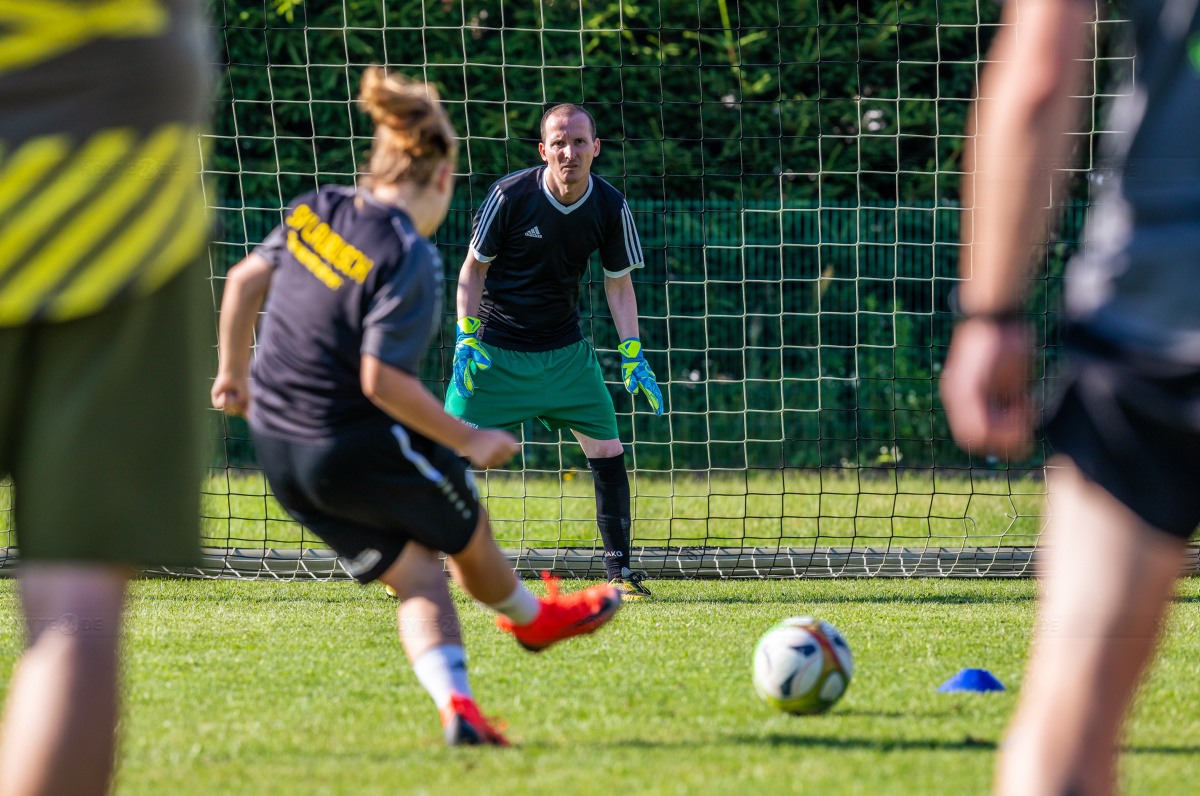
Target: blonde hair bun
[(413, 135)]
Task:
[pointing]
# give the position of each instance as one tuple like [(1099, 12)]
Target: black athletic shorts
[(367, 493), (1131, 423)]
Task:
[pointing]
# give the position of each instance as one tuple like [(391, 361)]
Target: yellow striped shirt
[(100, 192)]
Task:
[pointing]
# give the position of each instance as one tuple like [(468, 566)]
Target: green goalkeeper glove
[(469, 356), (636, 373)]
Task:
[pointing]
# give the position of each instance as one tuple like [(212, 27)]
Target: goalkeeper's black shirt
[(538, 250), (352, 277)]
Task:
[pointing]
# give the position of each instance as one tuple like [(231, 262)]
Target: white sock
[(443, 671), (520, 606)]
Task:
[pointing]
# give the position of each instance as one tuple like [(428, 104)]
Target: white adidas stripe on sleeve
[(638, 258), (633, 244), (487, 214)]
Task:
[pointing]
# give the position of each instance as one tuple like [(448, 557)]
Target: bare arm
[(405, 398), (622, 302), (470, 286), (1018, 145), (246, 288), (1017, 148)]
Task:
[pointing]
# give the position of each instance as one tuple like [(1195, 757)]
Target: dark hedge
[(792, 168)]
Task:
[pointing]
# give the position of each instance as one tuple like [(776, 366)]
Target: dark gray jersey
[(1136, 284), (352, 277)]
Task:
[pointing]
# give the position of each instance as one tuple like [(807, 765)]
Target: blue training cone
[(977, 680)]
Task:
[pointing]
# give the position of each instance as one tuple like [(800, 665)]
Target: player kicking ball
[(518, 317), (352, 444)]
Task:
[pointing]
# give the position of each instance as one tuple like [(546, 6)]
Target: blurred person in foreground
[(103, 308), (1126, 428)]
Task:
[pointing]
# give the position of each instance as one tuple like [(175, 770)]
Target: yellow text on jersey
[(333, 250)]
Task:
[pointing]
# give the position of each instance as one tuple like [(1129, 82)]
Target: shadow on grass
[(922, 599), (969, 743), (890, 714), (807, 741), (1160, 750), (274, 595)]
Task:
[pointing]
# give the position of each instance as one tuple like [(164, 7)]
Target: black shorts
[(1131, 424), (367, 493)]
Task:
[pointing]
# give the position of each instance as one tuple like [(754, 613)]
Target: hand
[(231, 394), (469, 356), (490, 448), (636, 373), (985, 388)]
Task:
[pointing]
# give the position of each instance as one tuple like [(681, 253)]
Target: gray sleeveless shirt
[(1136, 282)]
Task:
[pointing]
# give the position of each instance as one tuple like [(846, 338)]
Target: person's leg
[(606, 460), (412, 489), (599, 448), (485, 574), (105, 441), (428, 623), (426, 617), (59, 731), (432, 639), (1107, 579), (582, 403)]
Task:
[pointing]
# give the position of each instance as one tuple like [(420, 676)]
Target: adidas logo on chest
[(533, 233)]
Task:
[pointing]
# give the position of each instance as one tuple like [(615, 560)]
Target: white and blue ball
[(802, 665)]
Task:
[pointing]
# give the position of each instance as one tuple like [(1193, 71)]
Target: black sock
[(612, 510)]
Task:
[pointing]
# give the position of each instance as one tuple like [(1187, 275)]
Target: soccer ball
[(802, 665)]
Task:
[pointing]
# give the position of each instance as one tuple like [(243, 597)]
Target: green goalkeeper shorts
[(101, 430), (563, 388)]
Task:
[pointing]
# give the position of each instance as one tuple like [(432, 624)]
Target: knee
[(482, 535), (417, 573), (79, 606), (609, 448)]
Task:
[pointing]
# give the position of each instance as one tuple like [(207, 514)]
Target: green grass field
[(302, 688), (761, 508)]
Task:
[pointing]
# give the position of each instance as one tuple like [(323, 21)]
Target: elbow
[(250, 278), (244, 272), (1045, 95), (1032, 76), (235, 278), (369, 378), (371, 390), (385, 385), (474, 268)]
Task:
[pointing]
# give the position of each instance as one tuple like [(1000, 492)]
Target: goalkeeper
[(520, 352)]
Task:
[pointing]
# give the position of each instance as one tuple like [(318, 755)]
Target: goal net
[(794, 172)]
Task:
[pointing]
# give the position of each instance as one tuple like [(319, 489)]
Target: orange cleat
[(466, 726), (564, 615)]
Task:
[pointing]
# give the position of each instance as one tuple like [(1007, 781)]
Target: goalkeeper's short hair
[(567, 109)]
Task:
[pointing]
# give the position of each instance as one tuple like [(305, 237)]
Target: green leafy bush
[(792, 169)]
